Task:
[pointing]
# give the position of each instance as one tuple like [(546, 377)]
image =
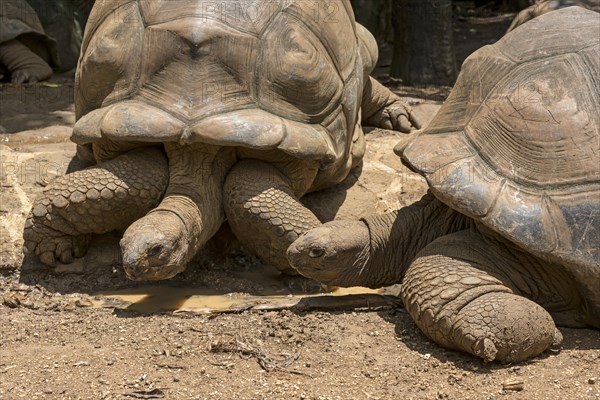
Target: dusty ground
[(94, 335)]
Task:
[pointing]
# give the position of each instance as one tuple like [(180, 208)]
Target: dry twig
[(244, 348)]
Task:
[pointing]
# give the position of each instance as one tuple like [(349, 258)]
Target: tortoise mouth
[(141, 272), (142, 262)]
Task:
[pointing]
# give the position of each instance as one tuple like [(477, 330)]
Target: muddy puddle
[(277, 293), (158, 299)]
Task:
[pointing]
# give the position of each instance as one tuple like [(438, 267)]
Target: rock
[(381, 184), (11, 301), (81, 364), (14, 207)]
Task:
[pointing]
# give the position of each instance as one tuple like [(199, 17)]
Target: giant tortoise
[(507, 244), (199, 110)]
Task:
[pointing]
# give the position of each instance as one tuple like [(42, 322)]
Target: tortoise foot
[(53, 247), (384, 109), (503, 327)]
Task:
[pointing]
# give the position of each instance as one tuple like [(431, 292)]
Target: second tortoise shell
[(517, 146)]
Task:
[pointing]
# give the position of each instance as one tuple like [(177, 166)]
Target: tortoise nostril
[(155, 250), (316, 252)]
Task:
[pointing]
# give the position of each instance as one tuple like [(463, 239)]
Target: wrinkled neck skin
[(195, 189), (397, 237)]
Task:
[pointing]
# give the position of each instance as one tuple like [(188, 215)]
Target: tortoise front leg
[(384, 109), (264, 213), (457, 292), (99, 199)]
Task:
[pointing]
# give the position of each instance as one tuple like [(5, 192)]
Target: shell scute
[(537, 130), (193, 70), (249, 16), (467, 185), (591, 59), (297, 77), (331, 22), (581, 214), (139, 122), (254, 129), (112, 57), (432, 152), (476, 82)]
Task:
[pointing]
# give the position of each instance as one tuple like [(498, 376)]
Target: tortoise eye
[(155, 250), (316, 252)]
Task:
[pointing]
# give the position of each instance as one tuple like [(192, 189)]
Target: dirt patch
[(102, 354)]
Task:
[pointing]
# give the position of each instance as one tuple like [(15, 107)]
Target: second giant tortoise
[(198, 110), (542, 7), (25, 49), (508, 243)]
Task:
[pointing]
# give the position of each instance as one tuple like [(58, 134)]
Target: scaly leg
[(99, 199), (24, 65), (264, 213), (458, 292)]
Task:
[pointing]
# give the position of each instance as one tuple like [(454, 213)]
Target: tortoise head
[(155, 247), (335, 253)]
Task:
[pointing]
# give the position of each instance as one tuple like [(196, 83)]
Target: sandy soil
[(230, 327)]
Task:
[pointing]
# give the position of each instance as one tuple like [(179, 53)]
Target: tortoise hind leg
[(458, 293), (384, 109), (99, 199)]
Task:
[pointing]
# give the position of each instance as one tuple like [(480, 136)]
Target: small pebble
[(81, 364), (83, 303), (513, 384)]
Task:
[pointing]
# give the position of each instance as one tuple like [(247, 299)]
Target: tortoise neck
[(397, 237), (194, 194)]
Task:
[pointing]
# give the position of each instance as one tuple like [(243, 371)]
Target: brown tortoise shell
[(264, 75)]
